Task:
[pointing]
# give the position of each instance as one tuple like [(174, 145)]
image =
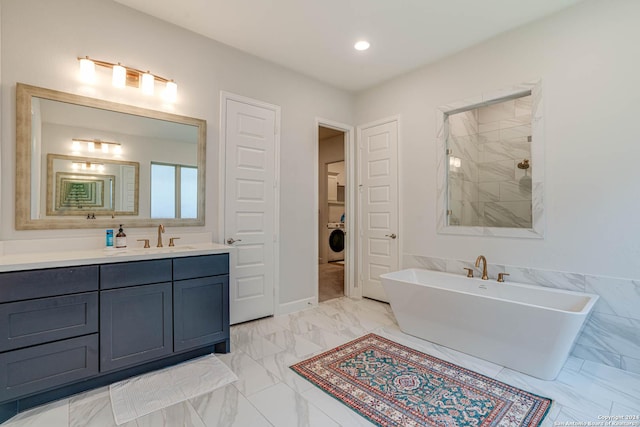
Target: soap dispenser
[(121, 238)]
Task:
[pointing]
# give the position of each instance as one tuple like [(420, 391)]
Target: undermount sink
[(153, 250)]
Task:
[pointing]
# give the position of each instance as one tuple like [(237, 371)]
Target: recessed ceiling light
[(362, 45)]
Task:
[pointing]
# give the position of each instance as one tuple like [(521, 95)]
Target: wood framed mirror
[(67, 129)]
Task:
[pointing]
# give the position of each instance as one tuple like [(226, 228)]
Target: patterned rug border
[(336, 394)]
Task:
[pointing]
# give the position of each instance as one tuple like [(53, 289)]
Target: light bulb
[(362, 45), (74, 166), (100, 168), (117, 150), (84, 166), (119, 77), (75, 145), (91, 146), (105, 147), (171, 91), (87, 70), (148, 82)]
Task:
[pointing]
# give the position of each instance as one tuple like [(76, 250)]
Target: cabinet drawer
[(200, 266), (39, 368), (201, 312), (125, 274), (22, 285), (38, 321)]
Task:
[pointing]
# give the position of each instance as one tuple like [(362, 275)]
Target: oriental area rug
[(394, 385)]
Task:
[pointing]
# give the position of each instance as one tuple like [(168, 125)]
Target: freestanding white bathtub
[(527, 328)]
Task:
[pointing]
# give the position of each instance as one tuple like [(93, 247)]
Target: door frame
[(350, 289), (222, 173), (361, 246)]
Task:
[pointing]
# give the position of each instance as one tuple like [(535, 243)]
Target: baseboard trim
[(293, 306)]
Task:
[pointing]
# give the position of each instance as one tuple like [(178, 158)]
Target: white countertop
[(33, 261)]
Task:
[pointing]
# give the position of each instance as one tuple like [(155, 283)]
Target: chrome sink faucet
[(484, 266), (160, 231)]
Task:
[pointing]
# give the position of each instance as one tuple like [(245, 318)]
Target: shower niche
[(490, 164)]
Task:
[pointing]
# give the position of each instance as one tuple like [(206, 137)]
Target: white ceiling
[(316, 37)]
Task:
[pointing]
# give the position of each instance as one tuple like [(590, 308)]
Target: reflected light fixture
[(87, 166), (362, 45), (127, 76), (96, 144)]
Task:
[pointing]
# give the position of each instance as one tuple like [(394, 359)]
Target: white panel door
[(249, 221), (379, 203)]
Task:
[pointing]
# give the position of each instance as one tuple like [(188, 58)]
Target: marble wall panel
[(496, 112), (516, 149), (465, 123), (515, 132), (618, 297), (507, 214), (465, 147), (516, 191), (489, 191), (496, 171)]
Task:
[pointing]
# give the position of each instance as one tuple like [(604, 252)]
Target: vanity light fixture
[(127, 76), (87, 166), (96, 144)]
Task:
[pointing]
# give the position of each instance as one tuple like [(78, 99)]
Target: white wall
[(587, 59), (40, 43)]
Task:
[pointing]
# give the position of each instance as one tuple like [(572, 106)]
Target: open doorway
[(332, 182)]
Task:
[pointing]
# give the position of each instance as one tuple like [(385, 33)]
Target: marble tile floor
[(268, 393)]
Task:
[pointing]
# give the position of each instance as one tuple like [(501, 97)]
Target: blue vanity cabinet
[(70, 329), (48, 329), (201, 302)]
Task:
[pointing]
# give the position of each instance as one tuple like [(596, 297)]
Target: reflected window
[(174, 191)]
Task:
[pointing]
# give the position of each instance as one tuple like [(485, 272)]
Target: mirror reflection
[(77, 155), (91, 186), (489, 164)]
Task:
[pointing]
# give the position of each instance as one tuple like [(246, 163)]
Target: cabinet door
[(201, 312), (135, 325)]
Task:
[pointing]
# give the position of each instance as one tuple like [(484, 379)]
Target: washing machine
[(336, 241)]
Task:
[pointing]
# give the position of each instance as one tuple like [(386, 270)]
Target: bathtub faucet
[(484, 266)]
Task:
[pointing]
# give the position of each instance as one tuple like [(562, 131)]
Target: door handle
[(231, 240), (392, 235)]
